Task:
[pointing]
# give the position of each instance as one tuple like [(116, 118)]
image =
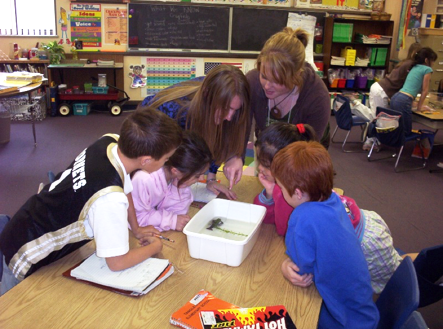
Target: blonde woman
[(217, 107), (285, 88)]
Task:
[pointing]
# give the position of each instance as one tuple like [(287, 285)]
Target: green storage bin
[(342, 32), (378, 56)]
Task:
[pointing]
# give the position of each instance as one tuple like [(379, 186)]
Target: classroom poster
[(415, 14), (115, 27), (86, 22), (162, 72), (306, 22)]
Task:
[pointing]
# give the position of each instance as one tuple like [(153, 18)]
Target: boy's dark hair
[(306, 166), (191, 157), (148, 132), (423, 54), (277, 136)]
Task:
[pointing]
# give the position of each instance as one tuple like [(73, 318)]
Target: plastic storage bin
[(242, 219), (349, 54), (360, 82), (350, 83), (378, 56), (342, 32), (81, 108), (100, 90), (341, 83)]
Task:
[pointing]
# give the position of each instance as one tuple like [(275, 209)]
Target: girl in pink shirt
[(162, 198)]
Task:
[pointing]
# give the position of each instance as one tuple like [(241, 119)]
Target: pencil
[(163, 237)]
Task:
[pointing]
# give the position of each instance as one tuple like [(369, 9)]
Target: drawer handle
[(439, 70)]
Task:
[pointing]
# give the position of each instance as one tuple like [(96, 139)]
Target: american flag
[(210, 65)]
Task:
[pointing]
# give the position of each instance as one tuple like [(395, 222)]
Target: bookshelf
[(40, 66), (359, 26)]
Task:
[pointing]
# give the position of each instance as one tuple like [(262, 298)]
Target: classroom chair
[(400, 297), (3, 221), (395, 137), (429, 268), (346, 120), (415, 321)]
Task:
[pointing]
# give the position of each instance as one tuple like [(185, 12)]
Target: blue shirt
[(414, 80), (321, 240)]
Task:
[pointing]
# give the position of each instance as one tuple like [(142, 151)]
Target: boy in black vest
[(91, 199)]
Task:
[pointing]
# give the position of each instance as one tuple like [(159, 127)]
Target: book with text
[(267, 317), (188, 316), (135, 281)]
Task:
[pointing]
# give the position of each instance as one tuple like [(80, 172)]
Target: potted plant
[(56, 52)]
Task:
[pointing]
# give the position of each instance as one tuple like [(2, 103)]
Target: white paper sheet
[(307, 23)]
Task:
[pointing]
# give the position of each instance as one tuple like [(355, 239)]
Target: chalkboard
[(252, 27), (178, 27)]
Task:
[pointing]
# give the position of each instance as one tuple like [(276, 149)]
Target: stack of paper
[(362, 61), (335, 60), (24, 76), (101, 62)]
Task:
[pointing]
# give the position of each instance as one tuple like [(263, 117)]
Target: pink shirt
[(278, 211), (157, 203)]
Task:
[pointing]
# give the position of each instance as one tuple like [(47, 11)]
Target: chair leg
[(335, 131), (416, 168)]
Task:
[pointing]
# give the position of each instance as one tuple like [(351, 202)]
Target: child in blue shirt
[(321, 240)]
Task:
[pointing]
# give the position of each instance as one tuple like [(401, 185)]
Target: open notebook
[(135, 281)]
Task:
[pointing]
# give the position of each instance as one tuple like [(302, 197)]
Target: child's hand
[(216, 188), (290, 269), (145, 231), (154, 242), (268, 185), (182, 220)]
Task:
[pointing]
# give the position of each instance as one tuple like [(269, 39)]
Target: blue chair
[(415, 321), (397, 139), (429, 268), (400, 297), (346, 120), (4, 219)]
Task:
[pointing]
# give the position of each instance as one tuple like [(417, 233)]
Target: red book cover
[(188, 315), (267, 317)]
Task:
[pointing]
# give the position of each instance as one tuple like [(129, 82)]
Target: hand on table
[(145, 231), (216, 188), (290, 272), (182, 220)]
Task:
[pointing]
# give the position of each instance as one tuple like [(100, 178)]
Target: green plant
[(56, 52)]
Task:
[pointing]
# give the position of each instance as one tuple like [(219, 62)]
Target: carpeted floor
[(410, 202)]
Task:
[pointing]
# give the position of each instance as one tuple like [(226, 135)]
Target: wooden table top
[(47, 299), (22, 90)]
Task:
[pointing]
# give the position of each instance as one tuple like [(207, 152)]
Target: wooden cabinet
[(40, 66), (433, 7), (364, 27)]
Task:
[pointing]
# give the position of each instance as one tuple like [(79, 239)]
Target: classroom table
[(432, 120), (26, 90), (47, 299)]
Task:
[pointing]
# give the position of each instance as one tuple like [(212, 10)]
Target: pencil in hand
[(163, 237)]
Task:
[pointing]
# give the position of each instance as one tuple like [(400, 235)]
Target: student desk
[(47, 299), (434, 120), (28, 89)]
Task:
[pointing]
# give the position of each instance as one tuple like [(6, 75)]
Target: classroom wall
[(137, 94)]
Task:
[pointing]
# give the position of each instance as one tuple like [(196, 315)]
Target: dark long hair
[(424, 54), (191, 157), (277, 136)]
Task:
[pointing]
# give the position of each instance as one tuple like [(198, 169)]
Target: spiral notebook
[(135, 281), (188, 316)]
